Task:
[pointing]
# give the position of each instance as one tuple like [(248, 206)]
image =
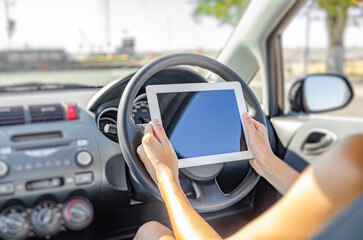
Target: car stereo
[(43, 168)]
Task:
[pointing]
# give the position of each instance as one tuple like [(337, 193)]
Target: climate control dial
[(46, 218), (14, 223), (77, 213)]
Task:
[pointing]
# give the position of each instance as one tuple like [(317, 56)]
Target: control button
[(83, 178), (58, 163), (38, 165), (18, 168), (28, 167), (7, 188), (48, 164), (56, 182), (70, 111), (4, 169), (67, 162), (5, 150), (77, 213), (82, 142), (84, 158)]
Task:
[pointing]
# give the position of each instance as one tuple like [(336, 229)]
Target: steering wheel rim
[(209, 197)]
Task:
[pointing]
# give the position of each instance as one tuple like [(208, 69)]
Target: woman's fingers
[(247, 122), (159, 131), (149, 138), (148, 129), (252, 125), (150, 144), (256, 123), (141, 151), (146, 161), (258, 126)]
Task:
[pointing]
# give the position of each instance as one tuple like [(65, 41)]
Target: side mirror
[(320, 93)]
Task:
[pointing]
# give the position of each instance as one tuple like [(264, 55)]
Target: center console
[(50, 173)]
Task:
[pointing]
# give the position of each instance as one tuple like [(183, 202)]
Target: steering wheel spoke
[(205, 191)]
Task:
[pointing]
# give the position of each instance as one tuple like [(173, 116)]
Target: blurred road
[(100, 77), (95, 77)]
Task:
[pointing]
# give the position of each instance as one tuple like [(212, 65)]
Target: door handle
[(317, 143)]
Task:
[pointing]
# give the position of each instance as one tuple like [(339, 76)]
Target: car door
[(303, 43), (296, 133)]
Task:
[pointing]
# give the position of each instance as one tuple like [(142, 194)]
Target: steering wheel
[(209, 196)]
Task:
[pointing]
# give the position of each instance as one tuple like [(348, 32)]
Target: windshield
[(91, 42)]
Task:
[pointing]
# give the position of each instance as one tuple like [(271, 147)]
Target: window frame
[(275, 71)]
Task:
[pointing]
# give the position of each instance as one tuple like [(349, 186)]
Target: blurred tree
[(230, 11), (227, 11), (336, 19)]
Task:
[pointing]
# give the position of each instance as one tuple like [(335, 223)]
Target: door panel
[(306, 138)]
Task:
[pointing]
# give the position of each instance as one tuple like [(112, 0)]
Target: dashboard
[(60, 160)]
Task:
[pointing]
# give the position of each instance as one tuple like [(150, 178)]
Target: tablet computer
[(202, 120)]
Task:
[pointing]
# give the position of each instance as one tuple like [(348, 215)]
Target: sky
[(157, 25)]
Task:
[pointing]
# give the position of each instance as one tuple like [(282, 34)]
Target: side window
[(314, 43)]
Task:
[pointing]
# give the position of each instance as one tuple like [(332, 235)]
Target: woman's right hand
[(259, 144), (157, 153)]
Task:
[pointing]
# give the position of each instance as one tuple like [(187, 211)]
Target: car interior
[(68, 162)]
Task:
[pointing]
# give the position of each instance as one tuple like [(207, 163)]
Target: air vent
[(46, 113), (11, 115)]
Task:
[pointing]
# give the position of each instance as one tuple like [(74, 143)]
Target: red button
[(71, 113)]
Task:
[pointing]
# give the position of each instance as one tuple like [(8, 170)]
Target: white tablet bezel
[(153, 90)]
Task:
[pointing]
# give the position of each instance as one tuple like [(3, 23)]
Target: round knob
[(46, 219), (4, 169), (14, 223), (77, 213), (84, 159)]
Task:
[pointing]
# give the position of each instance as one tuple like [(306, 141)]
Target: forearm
[(300, 213), (319, 193), (279, 174), (186, 222)]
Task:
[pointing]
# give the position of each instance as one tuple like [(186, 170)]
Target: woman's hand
[(156, 152), (258, 143), (276, 172)]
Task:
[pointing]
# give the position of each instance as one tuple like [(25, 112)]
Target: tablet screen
[(202, 123)]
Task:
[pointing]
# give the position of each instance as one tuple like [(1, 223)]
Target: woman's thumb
[(247, 121)]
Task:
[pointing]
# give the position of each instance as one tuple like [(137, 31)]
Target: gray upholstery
[(347, 225)]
